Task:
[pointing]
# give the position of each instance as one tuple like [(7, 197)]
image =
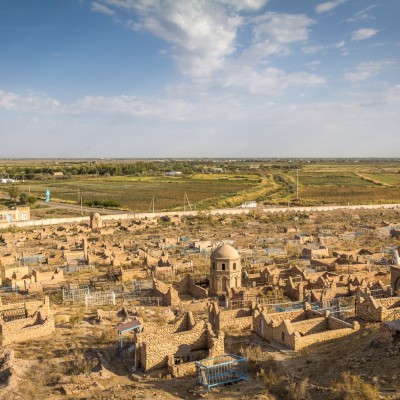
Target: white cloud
[(328, 6), (130, 106), (312, 49), (273, 33), (282, 28), (312, 65), (366, 70), (12, 101), (268, 81), (362, 15), (101, 8), (244, 5), (340, 44), (220, 126), (201, 34), (363, 33)]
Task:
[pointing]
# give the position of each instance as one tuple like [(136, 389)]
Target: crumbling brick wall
[(215, 344), (308, 340), (155, 349), (377, 310), (187, 286), (311, 327), (20, 330), (169, 295), (234, 320)]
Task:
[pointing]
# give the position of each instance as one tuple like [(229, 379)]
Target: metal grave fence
[(221, 370), (100, 299), (75, 294)]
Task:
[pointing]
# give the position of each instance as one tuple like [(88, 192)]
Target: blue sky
[(205, 78)]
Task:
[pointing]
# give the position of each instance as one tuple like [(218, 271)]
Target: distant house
[(249, 204), (173, 173), (7, 180), (21, 213), (58, 174)]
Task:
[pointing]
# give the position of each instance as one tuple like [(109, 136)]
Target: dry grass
[(352, 387)]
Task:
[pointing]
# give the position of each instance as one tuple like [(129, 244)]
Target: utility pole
[(297, 184), (81, 201), (186, 199)]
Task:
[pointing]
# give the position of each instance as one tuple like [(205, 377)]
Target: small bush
[(75, 318), (269, 378), (297, 390), (103, 203), (352, 387), (79, 364), (105, 336)]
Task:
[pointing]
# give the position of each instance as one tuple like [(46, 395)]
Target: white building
[(249, 204)]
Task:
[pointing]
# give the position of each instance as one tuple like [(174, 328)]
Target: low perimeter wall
[(228, 211)]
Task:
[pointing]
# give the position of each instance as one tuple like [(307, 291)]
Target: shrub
[(79, 364), (352, 387), (103, 203), (297, 390)]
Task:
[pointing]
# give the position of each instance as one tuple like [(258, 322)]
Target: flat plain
[(201, 187)]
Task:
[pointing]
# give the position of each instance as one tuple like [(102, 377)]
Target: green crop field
[(350, 195), (332, 179), (133, 184), (388, 178), (367, 183), (136, 194)]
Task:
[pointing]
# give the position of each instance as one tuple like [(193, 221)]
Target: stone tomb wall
[(306, 328), (233, 320), (178, 344), (41, 323), (377, 310), (188, 287), (169, 295)]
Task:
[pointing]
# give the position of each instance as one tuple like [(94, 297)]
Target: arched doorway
[(225, 284)]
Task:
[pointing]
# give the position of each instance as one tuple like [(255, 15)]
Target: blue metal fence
[(221, 370)]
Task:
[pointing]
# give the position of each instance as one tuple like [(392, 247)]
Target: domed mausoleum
[(225, 270)]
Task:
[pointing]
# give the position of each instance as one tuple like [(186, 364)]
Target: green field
[(136, 194), (350, 184), (268, 182)]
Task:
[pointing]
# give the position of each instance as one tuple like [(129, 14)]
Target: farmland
[(201, 185), (136, 194)]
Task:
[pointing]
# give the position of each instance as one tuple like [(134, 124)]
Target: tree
[(13, 192), (31, 199), (23, 198), (27, 199)]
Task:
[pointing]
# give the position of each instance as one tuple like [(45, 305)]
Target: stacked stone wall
[(336, 323), (294, 316), (181, 343), (310, 326), (236, 319), (23, 332), (184, 369), (187, 286), (215, 344), (41, 323), (308, 340), (378, 310), (169, 295)]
